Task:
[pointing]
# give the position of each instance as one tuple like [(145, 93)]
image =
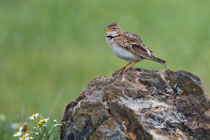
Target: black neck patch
[(109, 36)]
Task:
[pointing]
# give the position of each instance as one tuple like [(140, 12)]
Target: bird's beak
[(107, 29)]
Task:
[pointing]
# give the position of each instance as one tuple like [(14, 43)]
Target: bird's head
[(113, 29)]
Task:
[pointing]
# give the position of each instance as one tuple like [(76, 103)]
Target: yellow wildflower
[(17, 134), (44, 120), (24, 138), (21, 128), (27, 134), (39, 124), (34, 116)]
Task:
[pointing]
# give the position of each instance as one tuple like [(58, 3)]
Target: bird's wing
[(134, 43)]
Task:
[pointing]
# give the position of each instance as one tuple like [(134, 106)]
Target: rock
[(139, 105)]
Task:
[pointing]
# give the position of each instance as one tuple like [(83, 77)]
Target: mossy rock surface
[(139, 105)]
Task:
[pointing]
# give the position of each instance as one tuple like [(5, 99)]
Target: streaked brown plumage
[(129, 46)]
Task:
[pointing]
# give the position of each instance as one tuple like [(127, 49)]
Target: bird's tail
[(161, 61)]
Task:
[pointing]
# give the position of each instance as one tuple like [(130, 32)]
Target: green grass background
[(51, 49)]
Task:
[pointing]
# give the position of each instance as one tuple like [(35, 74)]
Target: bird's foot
[(120, 69), (123, 68), (130, 68)]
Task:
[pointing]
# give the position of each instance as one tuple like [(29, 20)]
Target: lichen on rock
[(139, 105)]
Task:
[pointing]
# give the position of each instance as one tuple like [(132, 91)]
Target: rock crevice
[(139, 105)]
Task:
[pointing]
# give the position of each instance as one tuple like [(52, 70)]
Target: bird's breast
[(123, 53)]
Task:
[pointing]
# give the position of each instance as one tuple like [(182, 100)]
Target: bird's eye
[(113, 28)]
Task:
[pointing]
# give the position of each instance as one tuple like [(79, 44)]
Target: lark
[(128, 46)]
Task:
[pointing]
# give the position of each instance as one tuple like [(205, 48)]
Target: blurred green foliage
[(51, 49)]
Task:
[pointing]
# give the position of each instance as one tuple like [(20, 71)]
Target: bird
[(129, 46)]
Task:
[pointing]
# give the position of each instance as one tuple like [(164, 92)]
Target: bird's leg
[(124, 67), (131, 67)]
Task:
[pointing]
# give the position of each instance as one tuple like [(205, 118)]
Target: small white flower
[(55, 121), (17, 134), (34, 116), (37, 133), (57, 124)]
